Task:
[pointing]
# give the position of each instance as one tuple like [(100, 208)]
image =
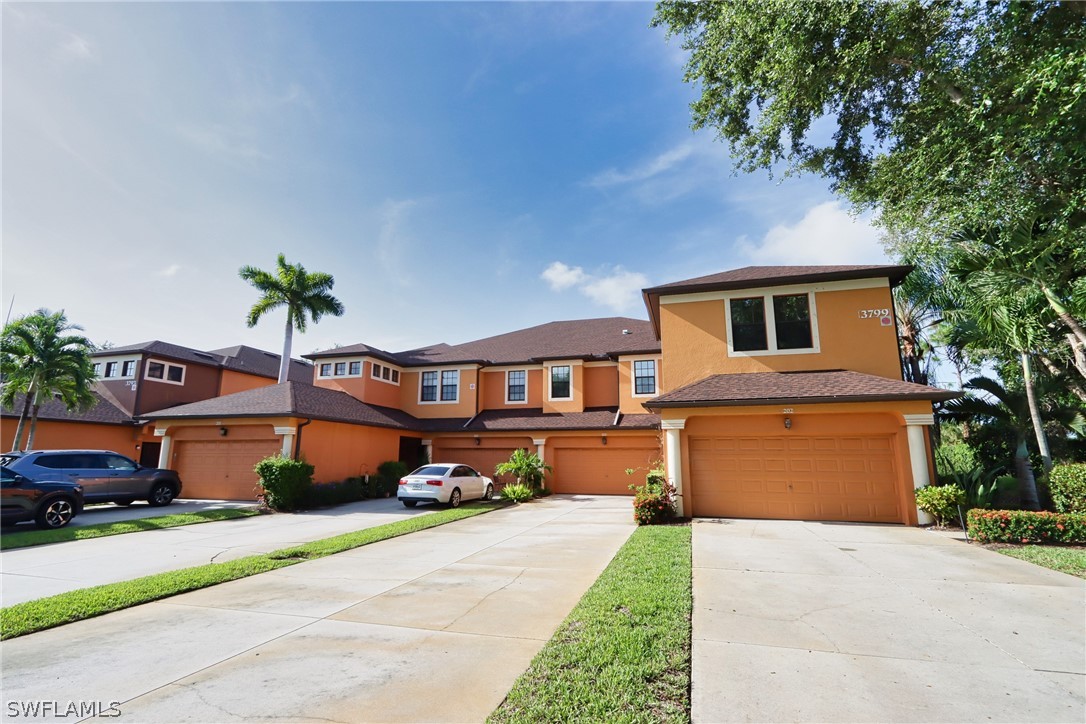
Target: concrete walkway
[(797, 622), (39, 571), (430, 627)]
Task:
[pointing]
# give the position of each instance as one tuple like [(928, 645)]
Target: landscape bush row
[(288, 485)]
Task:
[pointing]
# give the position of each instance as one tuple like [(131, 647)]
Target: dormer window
[(165, 372), (771, 324)]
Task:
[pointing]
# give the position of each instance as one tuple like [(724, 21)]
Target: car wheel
[(454, 498), (489, 494), (409, 503), (56, 513), (161, 494)]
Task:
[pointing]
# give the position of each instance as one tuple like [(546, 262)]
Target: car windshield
[(432, 470), (8, 459)]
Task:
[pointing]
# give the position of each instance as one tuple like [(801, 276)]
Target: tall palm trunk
[(22, 419), (1027, 484), (33, 423), (1035, 413), (284, 364)]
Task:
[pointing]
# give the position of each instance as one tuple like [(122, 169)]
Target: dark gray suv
[(51, 504), (106, 477)]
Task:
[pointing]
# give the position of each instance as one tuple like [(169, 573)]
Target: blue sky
[(462, 169)]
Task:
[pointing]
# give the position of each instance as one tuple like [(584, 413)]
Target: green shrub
[(1067, 486), (940, 501), (954, 458), (516, 492), (543, 492), (387, 478), (983, 488), (1026, 526), (324, 495), (526, 467), (654, 502), (285, 482)]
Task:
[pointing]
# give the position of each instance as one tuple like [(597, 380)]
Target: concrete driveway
[(30, 573), (826, 622), (433, 626)]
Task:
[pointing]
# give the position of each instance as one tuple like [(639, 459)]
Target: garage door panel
[(849, 478), (599, 471), (221, 469)]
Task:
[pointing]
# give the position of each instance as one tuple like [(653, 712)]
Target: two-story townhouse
[(135, 379), (784, 395), (768, 391)]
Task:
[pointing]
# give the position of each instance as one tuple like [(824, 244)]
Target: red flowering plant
[(654, 502), (1026, 526)]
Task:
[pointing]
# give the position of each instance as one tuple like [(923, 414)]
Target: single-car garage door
[(846, 478), (221, 469), (599, 470)]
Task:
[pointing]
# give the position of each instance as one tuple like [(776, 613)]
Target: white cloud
[(618, 289), (78, 47), (170, 271), (655, 166), (827, 234), (561, 277)]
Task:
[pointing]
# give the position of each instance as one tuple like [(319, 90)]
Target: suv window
[(117, 462), (54, 462)]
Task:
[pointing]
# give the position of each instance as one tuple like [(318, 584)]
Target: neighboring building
[(139, 378), (769, 391)]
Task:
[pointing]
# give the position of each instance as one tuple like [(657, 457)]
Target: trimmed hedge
[(1025, 526), (940, 501), (1067, 486), (286, 482)]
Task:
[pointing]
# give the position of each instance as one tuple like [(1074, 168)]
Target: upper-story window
[(561, 389), (165, 372), (428, 392), (386, 374), (355, 368), (111, 369), (450, 385), (128, 368), (325, 370), (516, 386), (97, 369), (341, 369), (772, 323), (644, 377)]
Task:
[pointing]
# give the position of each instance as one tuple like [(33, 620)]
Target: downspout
[(298, 437)]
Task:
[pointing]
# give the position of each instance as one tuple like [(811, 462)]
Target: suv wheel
[(161, 494), (56, 513)]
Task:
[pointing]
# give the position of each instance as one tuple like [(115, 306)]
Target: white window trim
[(373, 365), (165, 371), (334, 361), (516, 402), (549, 382), (655, 375), (119, 361), (770, 324), (439, 370), (837, 286)]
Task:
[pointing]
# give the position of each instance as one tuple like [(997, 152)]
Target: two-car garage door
[(221, 469), (844, 477)]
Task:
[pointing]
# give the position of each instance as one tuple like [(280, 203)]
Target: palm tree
[(40, 359), (305, 295)]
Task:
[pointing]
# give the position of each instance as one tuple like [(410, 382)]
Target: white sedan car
[(447, 483)]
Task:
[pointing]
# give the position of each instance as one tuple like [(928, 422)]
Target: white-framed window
[(354, 368), (375, 371), (325, 369), (428, 387), (97, 369), (128, 368), (340, 369), (163, 371), (111, 369), (384, 373), (450, 385), (516, 387), (644, 377), (561, 382), (764, 323), (438, 387)]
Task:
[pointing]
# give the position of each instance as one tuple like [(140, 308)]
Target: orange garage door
[(221, 469), (847, 478), (599, 470)]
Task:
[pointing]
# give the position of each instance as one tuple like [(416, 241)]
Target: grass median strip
[(623, 654), (24, 618), (24, 539), (1059, 558)]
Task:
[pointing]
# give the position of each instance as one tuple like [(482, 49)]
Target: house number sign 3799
[(874, 313)]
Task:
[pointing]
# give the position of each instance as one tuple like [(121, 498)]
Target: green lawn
[(1058, 558), (22, 539), (623, 654), (31, 616)]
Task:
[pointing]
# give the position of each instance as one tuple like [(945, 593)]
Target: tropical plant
[(526, 467), (1067, 485), (40, 359), (306, 295), (940, 501), (982, 487), (516, 492)]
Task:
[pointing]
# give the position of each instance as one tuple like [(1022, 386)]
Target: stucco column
[(288, 434), (918, 456), (673, 453), (540, 446), (164, 451), (428, 448)]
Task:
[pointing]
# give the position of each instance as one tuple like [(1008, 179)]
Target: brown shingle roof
[(253, 361), (573, 339), (165, 349), (294, 399), (103, 412), (759, 388), (536, 419)]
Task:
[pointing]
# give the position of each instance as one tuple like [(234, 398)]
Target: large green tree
[(940, 115), (40, 358), (306, 295)]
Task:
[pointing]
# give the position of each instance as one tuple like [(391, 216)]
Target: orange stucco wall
[(576, 387), (827, 420), (601, 386), (409, 396), (50, 434), (232, 382), (339, 451), (694, 340), (492, 391)]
